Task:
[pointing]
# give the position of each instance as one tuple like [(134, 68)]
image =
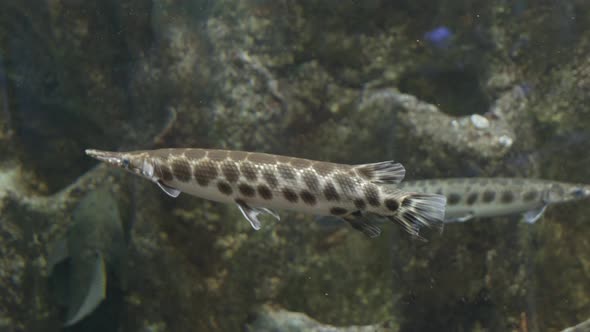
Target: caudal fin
[(418, 210)]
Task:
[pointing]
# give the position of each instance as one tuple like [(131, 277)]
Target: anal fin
[(364, 225), (251, 213)]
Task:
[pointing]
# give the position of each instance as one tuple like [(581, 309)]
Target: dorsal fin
[(385, 172)]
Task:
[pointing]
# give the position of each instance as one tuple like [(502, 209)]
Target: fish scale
[(245, 176), (260, 182)]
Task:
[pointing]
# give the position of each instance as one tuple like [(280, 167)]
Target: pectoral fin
[(172, 192), (531, 216), (94, 288), (251, 213)]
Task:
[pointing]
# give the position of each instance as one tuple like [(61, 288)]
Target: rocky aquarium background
[(448, 88)]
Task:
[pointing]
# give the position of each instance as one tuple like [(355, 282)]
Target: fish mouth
[(111, 158)]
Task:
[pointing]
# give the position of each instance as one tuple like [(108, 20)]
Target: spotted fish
[(258, 183), (469, 198)]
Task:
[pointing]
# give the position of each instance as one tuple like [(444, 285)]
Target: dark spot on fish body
[(163, 172), (330, 192), (488, 196), (338, 211), (224, 188), (453, 199), (182, 170), (507, 197), (439, 191), (311, 181), (345, 182), (246, 190), (372, 195), (307, 197), (391, 204), (270, 178), (204, 172), (360, 204), (530, 195), (472, 198), (195, 154), (249, 171), (286, 172), (238, 155), (290, 195), (407, 201), (264, 192), (230, 171)]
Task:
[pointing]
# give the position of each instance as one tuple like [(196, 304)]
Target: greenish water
[(447, 88)]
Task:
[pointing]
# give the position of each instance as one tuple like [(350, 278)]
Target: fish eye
[(578, 193), (125, 163)]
